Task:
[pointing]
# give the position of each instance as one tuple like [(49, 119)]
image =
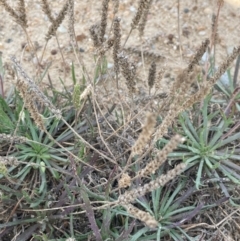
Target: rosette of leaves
[(168, 205), (211, 143), (40, 158)]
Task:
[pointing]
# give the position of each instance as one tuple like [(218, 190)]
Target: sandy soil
[(195, 26)]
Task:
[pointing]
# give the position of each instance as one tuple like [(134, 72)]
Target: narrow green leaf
[(229, 140), (19, 222), (221, 128), (190, 125), (156, 201), (192, 159), (229, 175), (138, 234), (188, 134), (167, 206), (73, 75), (199, 174), (179, 210), (39, 199)]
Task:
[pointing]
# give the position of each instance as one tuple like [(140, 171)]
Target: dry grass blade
[(33, 88), (161, 157), (172, 113), (94, 29), (145, 217), (116, 44), (198, 55), (85, 146), (20, 19), (128, 71), (143, 21), (116, 7), (145, 135), (130, 196), (29, 97), (103, 24), (105, 47), (54, 26), (146, 53), (22, 12), (9, 160), (207, 87), (71, 21), (46, 9), (14, 139), (152, 75), (225, 65), (142, 6), (124, 181)]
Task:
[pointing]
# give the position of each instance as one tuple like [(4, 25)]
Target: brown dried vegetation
[(179, 98)]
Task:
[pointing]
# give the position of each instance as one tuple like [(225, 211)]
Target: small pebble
[(9, 40), (53, 52), (230, 49), (81, 50), (167, 75), (35, 60), (194, 8), (205, 57), (132, 9), (224, 79), (170, 37), (201, 33), (110, 65), (62, 29), (185, 32), (207, 11), (80, 37), (186, 10), (23, 45)]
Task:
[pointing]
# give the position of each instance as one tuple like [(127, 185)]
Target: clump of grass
[(57, 149)]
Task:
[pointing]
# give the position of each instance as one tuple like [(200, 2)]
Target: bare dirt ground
[(195, 25)]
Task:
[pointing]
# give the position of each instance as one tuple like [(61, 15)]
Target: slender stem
[(127, 37), (64, 62), (236, 72), (45, 46)]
